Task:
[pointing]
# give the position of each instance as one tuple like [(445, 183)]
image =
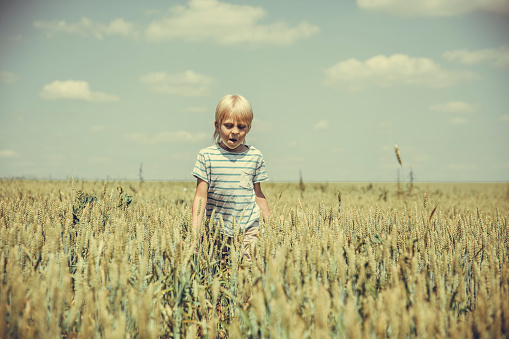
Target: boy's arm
[(199, 204), (261, 201)]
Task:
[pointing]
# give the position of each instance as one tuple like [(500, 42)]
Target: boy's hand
[(262, 202)]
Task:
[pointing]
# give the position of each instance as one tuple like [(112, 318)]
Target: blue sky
[(93, 89)]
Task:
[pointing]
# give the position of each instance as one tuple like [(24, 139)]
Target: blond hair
[(233, 106)]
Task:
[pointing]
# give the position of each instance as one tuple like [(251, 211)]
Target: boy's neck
[(239, 149)]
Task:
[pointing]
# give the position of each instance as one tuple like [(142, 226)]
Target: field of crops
[(113, 260)]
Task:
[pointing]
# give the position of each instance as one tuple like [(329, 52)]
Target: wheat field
[(386, 260)]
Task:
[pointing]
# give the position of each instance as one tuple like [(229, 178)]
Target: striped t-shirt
[(231, 177)]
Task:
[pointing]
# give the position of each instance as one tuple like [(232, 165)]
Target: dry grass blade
[(425, 198), (398, 155), (432, 212), (339, 201)]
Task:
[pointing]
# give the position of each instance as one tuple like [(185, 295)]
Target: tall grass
[(353, 264)]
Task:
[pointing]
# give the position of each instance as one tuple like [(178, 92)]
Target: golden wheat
[(82, 259)]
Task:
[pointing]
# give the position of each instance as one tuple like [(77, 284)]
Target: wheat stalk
[(398, 156)]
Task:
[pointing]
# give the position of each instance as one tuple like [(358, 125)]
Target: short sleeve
[(200, 168), (260, 173)]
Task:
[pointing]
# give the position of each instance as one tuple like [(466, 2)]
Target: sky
[(99, 89)]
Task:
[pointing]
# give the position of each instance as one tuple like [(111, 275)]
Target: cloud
[(9, 153), (188, 83), (200, 20), (87, 27), (458, 121), (98, 128), (498, 57), (224, 23), (455, 107), (74, 90), (322, 125), (261, 125), (397, 69), (9, 78), (166, 137), (411, 8)]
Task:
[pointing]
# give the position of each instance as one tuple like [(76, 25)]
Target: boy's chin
[(232, 145)]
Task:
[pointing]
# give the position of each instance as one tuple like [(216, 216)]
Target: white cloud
[(98, 128), (166, 137), (188, 83), (397, 69), (9, 153), (261, 125), (505, 118), (322, 125), (9, 78), (454, 107), (87, 27), (224, 23), (410, 8), (498, 57), (458, 121), (199, 20), (73, 90)]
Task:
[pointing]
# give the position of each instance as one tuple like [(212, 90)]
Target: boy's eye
[(230, 126)]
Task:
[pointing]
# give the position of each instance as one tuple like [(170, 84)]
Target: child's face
[(232, 133)]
